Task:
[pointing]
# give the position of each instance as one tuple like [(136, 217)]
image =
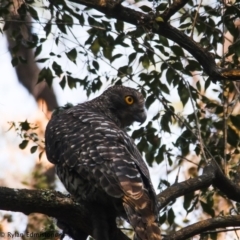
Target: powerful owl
[(99, 164)]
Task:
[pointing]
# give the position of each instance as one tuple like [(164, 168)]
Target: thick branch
[(205, 58), (205, 225), (185, 187), (225, 185), (212, 175), (53, 204)]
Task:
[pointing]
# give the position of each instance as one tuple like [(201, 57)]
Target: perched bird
[(99, 164)]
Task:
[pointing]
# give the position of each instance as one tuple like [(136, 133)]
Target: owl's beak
[(141, 116)]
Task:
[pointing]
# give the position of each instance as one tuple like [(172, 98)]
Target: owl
[(100, 165)]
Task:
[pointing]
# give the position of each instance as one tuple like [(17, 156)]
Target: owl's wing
[(94, 148)]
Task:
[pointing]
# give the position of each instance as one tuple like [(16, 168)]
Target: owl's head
[(126, 104)]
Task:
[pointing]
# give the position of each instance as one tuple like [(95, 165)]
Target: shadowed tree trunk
[(27, 73)]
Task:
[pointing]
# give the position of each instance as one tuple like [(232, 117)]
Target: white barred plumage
[(99, 163)]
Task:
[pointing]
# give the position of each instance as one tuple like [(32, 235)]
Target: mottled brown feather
[(99, 163)]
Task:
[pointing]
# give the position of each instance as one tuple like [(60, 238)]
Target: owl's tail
[(144, 223)]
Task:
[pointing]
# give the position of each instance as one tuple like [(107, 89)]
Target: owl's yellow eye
[(129, 100)]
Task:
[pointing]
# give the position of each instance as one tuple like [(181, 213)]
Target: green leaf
[(45, 74), (165, 121), (41, 60), (207, 83), (33, 149), (91, 21), (71, 82), (159, 19), (14, 61), (170, 75), (171, 216), (145, 8), (138, 133), (67, 19), (183, 93), (25, 126), (95, 47), (61, 26), (177, 65), (161, 7), (193, 66), (160, 156), (177, 51), (115, 57), (207, 208), (48, 28), (57, 68), (23, 144), (163, 41), (123, 71), (131, 57), (81, 19), (63, 82), (33, 12), (95, 65), (163, 218), (164, 88), (96, 84), (185, 26), (188, 198), (107, 52), (145, 61), (120, 40), (150, 100), (150, 55), (72, 55), (198, 85), (119, 26), (142, 145), (57, 40)]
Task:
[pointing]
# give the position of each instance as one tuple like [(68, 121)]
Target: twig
[(195, 18), (198, 125), (225, 128)]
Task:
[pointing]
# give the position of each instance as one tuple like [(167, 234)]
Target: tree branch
[(200, 227), (225, 185), (185, 187), (205, 58), (54, 204), (212, 175)]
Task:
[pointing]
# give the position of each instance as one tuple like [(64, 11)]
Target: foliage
[(28, 132), (89, 49)]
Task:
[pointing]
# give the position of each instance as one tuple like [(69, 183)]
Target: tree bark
[(27, 73)]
